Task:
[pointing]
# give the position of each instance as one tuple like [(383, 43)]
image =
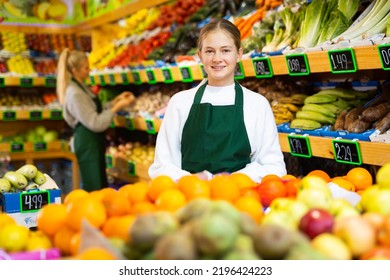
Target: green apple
[(315, 198), (314, 182), (379, 202), (347, 212), (280, 203), (281, 218), (296, 209), (331, 246), (50, 136), (383, 176), (337, 205), (367, 196)]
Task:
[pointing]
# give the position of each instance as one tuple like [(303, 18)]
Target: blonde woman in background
[(83, 111)]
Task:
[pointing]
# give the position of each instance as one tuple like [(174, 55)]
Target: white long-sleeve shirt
[(266, 155)]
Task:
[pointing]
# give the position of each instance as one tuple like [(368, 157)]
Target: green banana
[(341, 103), (318, 108), (333, 108), (339, 92), (320, 98), (39, 178), (305, 124), (28, 170), (315, 116)]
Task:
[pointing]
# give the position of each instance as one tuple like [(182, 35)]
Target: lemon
[(383, 176), (13, 237)]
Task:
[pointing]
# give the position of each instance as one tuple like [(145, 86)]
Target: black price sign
[(297, 64), (167, 74), (50, 82), (150, 127), (26, 82), (111, 79), (203, 71), (186, 74), (109, 161), (346, 151), (151, 76), (2, 82), (239, 71), (33, 201), (102, 80), (263, 68), (9, 115), (131, 168), (40, 146), (17, 147), (35, 115), (56, 114), (299, 146), (384, 54), (342, 61), (130, 125), (136, 77), (92, 80), (125, 78)]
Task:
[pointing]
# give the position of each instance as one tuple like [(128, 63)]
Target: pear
[(16, 179), (39, 178), (28, 170), (5, 185)]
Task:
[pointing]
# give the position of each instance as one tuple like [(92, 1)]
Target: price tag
[(111, 79), (17, 147), (151, 76), (92, 80), (56, 114), (33, 201), (50, 82), (342, 61), (384, 54), (136, 77), (150, 128), (263, 68), (109, 161), (102, 80), (40, 146), (35, 115), (131, 168), (297, 64), (26, 82), (186, 74), (299, 145), (2, 82), (125, 78), (239, 71), (9, 115), (167, 74), (203, 71), (347, 151), (130, 125)]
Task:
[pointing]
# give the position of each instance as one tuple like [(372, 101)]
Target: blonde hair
[(67, 61)]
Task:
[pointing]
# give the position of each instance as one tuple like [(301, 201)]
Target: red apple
[(315, 222)]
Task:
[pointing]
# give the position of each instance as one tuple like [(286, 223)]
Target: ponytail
[(63, 75)]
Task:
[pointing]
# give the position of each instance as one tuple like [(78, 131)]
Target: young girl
[(83, 111), (218, 126)]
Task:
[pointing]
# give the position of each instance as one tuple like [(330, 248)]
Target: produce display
[(37, 133), (25, 178)]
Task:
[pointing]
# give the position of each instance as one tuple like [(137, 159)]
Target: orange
[(288, 177), (320, 173), (158, 185), (271, 189), (62, 239), (360, 177), (292, 186), (270, 177), (95, 253), (85, 208), (250, 192), (118, 227), (75, 194), (74, 243), (251, 206), (51, 218), (142, 208), (135, 192), (243, 180), (100, 194), (343, 183), (170, 200), (193, 187), (6, 220), (224, 188), (116, 204)]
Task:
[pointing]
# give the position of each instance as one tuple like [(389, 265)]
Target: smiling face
[(219, 56)]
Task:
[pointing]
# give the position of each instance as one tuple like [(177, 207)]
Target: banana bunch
[(285, 108), (323, 108), (25, 178)]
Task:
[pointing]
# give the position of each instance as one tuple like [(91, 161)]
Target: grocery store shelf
[(128, 171), (48, 81), (139, 123), (34, 114), (373, 153)]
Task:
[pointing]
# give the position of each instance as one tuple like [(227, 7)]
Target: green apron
[(90, 149), (214, 138)]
